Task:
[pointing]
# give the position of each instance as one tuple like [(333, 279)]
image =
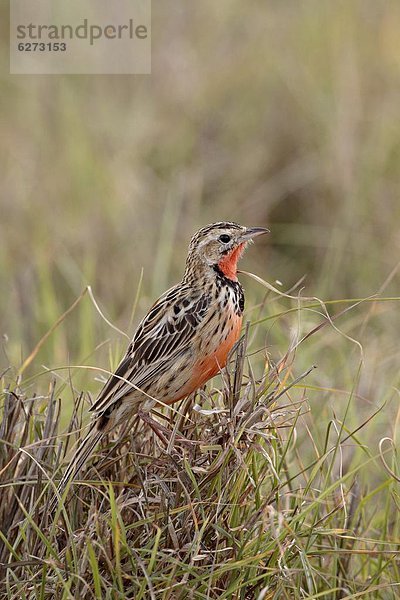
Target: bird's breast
[(220, 332), (214, 339), (210, 363)]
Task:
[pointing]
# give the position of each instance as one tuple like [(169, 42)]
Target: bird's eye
[(224, 238)]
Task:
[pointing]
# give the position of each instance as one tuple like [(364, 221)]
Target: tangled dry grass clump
[(219, 504), (180, 505)]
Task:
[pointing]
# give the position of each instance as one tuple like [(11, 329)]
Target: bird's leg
[(160, 430), (156, 427)]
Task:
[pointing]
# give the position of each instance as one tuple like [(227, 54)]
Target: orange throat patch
[(228, 264)]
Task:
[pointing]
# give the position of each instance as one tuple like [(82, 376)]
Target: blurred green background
[(268, 113)]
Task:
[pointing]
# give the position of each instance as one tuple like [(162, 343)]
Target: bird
[(183, 341)]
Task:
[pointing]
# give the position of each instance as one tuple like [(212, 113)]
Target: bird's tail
[(84, 450)]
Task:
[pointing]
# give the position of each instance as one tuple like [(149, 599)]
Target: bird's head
[(220, 245)]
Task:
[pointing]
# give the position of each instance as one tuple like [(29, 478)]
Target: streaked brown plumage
[(183, 340)]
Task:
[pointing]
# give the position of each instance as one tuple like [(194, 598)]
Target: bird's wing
[(168, 327)]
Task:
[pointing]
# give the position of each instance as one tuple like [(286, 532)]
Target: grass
[(248, 493)]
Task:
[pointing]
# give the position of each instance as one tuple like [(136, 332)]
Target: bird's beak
[(252, 232)]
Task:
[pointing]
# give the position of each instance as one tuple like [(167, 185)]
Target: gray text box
[(80, 36)]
